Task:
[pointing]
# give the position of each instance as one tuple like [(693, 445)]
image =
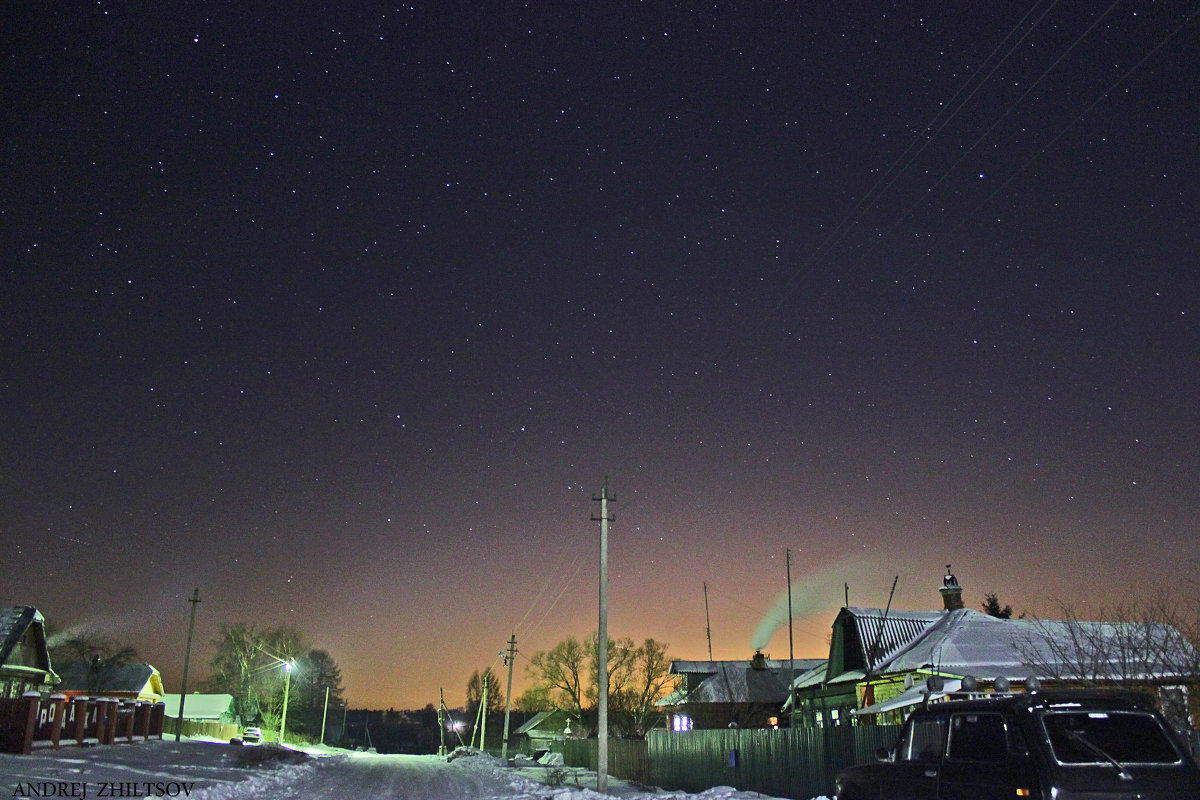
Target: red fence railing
[(29, 721)]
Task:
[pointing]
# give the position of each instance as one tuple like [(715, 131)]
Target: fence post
[(33, 703), (101, 706), (129, 718), (60, 708), (141, 719), (79, 715), (157, 715), (110, 721)]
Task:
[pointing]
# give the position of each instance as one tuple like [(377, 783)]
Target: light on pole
[(287, 687)]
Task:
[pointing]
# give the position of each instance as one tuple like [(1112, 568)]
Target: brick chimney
[(951, 591)]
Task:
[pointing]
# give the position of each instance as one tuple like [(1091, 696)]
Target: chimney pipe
[(951, 591)]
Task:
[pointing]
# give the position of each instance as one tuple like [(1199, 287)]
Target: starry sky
[(344, 312)]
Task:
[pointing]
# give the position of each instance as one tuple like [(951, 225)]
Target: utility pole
[(287, 688), (602, 643), (508, 661), (441, 723), (791, 645), (707, 624), (483, 714), (187, 657), (324, 714)]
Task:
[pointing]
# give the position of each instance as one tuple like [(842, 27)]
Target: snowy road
[(392, 776), (199, 770)]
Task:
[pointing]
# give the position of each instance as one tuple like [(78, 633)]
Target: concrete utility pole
[(441, 723), (324, 714), (602, 643), (187, 657), (508, 661), (287, 688), (483, 715)]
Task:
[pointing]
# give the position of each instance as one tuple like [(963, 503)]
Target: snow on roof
[(967, 641), (713, 667), (79, 676), (200, 706), (14, 621), (540, 717), (735, 681), (891, 629)]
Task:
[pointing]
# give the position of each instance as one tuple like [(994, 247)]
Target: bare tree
[(248, 664), (649, 680), (560, 672), (1149, 644), (566, 676), (86, 645)]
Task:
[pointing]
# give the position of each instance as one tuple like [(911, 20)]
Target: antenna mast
[(791, 644), (707, 624), (873, 653)]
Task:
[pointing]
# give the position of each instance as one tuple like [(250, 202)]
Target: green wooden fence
[(795, 763)]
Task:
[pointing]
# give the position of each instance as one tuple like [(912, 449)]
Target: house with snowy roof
[(124, 681), (731, 694), (24, 660), (541, 731), (882, 662), (218, 708)]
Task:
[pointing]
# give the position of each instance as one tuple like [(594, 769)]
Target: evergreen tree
[(991, 607)]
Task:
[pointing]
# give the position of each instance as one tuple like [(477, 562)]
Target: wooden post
[(110, 721), (60, 708), (141, 719), (33, 704), (128, 718), (157, 716), (79, 716), (101, 719)]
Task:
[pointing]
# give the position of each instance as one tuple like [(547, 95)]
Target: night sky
[(343, 313)]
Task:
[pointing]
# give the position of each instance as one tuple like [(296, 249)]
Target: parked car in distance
[(1062, 744), (252, 735)]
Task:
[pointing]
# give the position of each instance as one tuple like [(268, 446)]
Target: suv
[(1099, 745)]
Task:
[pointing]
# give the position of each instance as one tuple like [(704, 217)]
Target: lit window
[(681, 722)]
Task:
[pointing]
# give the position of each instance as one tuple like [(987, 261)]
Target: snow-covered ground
[(208, 770)]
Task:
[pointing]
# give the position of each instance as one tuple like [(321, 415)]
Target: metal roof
[(970, 642), (892, 630), (734, 682)]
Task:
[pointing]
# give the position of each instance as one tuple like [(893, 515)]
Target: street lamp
[(287, 686)]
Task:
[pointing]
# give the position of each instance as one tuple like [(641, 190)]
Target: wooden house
[(731, 694), (123, 681), (24, 661), (882, 662)]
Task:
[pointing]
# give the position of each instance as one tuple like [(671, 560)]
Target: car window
[(978, 737), (1096, 737), (923, 739)]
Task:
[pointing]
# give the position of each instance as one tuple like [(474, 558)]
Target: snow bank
[(212, 771)]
